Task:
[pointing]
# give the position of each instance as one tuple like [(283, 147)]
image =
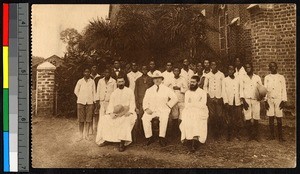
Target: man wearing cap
[(250, 99), (275, 100), (157, 102), (120, 117)]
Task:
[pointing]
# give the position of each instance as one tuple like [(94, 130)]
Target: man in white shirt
[(168, 74), (232, 101), (105, 87), (95, 76), (120, 117), (85, 91), (275, 99), (179, 85), (206, 64), (157, 102), (239, 69), (213, 86), (186, 72), (250, 100), (199, 72), (133, 75), (152, 69), (194, 116)]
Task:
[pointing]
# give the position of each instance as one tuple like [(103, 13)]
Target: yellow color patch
[(5, 66)]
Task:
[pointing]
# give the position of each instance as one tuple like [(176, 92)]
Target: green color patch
[(5, 110)]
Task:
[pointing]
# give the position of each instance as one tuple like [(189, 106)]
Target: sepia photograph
[(163, 85)]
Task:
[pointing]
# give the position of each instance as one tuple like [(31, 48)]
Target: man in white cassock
[(194, 116), (120, 117), (157, 102)]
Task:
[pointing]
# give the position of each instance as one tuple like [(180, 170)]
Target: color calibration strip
[(5, 88)]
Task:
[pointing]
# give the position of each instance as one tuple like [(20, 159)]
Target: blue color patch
[(6, 151)]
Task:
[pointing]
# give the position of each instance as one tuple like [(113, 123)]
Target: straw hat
[(120, 110)]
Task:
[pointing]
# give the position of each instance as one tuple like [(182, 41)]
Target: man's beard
[(193, 87), (121, 86)]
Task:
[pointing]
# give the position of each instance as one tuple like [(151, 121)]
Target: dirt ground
[(54, 146)]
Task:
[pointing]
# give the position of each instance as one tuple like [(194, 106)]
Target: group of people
[(195, 102)]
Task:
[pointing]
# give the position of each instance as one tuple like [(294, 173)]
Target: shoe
[(150, 141), (162, 142), (103, 144), (121, 147)]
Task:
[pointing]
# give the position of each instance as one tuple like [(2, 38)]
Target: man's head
[(199, 67), (94, 69), (117, 64), (248, 68), (86, 73), (107, 73), (134, 67), (169, 66), (186, 63), (231, 70), (273, 67), (213, 66), (237, 62), (144, 69), (206, 64), (176, 71), (120, 82), (152, 65), (157, 78), (194, 83)]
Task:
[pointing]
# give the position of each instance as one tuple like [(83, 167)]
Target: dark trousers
[(216, 120), (234, 120)]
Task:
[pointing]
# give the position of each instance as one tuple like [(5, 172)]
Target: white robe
[(194, 116), (117, 129)]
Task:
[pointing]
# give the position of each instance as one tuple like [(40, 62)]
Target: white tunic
[(117, 129), (168, 76), (231, 91), (276, 87), (194, 116), (187, 75), (213, 84), (132, 76)]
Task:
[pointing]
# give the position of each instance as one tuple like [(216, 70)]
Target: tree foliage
[(142, 33)]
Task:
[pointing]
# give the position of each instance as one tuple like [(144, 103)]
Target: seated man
[(120, 117), (157, 102), (194, 115)]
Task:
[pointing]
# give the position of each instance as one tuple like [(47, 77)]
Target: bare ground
[(54, 146)]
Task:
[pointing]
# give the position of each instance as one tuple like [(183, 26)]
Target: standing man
[(168, 74), (239, 69), (249, 97), (85, 91), (213, 86), (275, 99), (186, 72), (157, 102), (152, 69), (105, 87), (120, 117), (117, 71), (133, 75), (179, 86), (199, 72), (232, 101), (194, 116), (96, 77), (141, 85), (207, 69)]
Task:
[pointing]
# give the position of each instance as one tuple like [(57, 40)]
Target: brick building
[(260, 33)]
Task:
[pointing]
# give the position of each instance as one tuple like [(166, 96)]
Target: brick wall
[(273, 35), (45, 91)]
